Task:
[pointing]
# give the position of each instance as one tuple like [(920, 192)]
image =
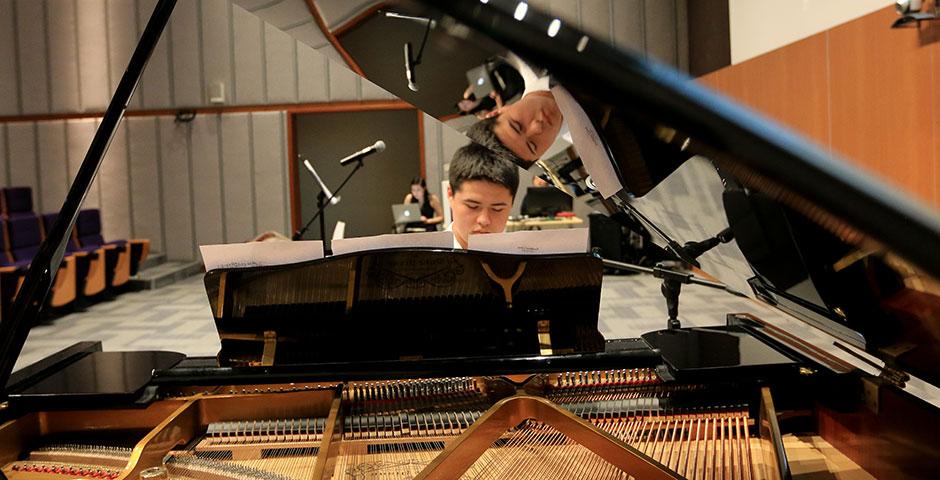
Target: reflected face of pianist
[(479, 206), (529, 126)]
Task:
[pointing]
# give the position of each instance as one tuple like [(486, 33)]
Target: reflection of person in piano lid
[(526, 128), (482, 187), (431, 210)]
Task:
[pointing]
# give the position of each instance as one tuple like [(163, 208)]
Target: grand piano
[(323, 374)]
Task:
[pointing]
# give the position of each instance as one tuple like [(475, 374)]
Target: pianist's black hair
[(482, 133), (477, 162)]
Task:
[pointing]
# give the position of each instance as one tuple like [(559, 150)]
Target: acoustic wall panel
[(21, 144), (9, 105), (268, 150), (236, 178), (175, 177), (52, 162), (596, 18), (249, 57), (371, 91), (31, 51), (344, 83), (280, 65), (188, 84), (313, 81), (63, 55), (217, 53), (155, 86), (4, 157), (79, 134), (208, 214), (122, 38), (144, 150), (309, 34), (628, 28), (116, 197), (95, 90), (660, 31)]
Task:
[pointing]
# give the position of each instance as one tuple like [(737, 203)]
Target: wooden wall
[(865, 91)]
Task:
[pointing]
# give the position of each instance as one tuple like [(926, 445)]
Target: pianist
[(526, 128), (483, 184)]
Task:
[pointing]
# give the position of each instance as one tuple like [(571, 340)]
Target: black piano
[(324, 371)]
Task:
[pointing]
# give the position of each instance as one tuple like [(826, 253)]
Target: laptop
[(406, 213)]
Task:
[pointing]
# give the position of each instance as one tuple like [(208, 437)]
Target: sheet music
[(588, 144), (532, 242), (424, 239), (258, 254)]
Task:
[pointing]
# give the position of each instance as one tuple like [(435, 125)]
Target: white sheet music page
[(588, 144), (259, 254), (400, 240), (532, 242)]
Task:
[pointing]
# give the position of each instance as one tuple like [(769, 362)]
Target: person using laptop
[(482, 187), (432, 213)]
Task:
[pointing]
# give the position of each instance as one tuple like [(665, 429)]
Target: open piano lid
[(814, 236), (830, 244)]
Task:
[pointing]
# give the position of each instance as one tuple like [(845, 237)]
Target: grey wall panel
[(249, 58), (337, 12), (660, 31), (155, 86), (432, 153), (371, 91), (282, 14), (269, 170), (207, 194), (682, 35), (187, 70), (21, 143), (9, 105), (63, 55), (217, 53), (331, 53), (629, 29), (252, 5), (174, 173), (79, 134), (4, 157), (53, 167), (568, 11), (344, 84), (595, 18), (93, 55), (280, 65), (312, 81), (115, 198), (122, 38), (31, 50), (236, 178), (144, 171), (309, 34)]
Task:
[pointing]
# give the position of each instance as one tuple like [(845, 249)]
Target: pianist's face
[(529, 126), (479, 206)]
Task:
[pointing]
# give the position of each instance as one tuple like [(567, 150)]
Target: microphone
[(326, 191), (410, 69), (375, 148)]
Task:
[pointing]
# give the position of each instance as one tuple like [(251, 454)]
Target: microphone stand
[(322, 202)]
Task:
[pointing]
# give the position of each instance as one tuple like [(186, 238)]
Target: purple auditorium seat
[(90, 262), (117, 253), (11, 275), (88, 229), (16, 201), (25, 236)]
